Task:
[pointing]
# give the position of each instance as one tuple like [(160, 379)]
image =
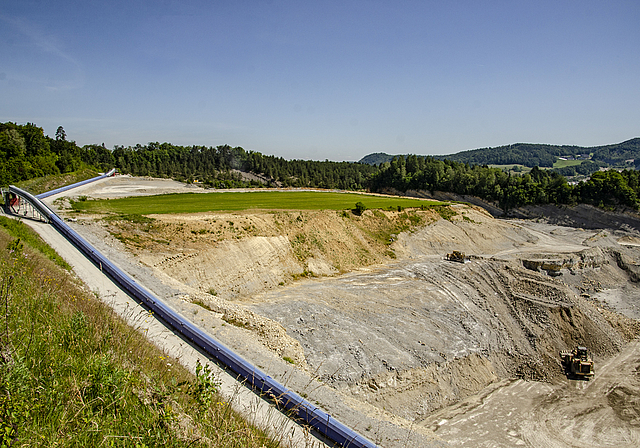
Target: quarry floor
[(412, 350)]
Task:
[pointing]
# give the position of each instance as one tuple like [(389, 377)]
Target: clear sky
[(322, 80)]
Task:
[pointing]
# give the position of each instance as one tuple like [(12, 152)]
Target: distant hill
[(376, 158), (532, 154)]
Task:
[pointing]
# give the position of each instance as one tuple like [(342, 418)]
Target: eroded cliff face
[(241, 254), (230, 268)]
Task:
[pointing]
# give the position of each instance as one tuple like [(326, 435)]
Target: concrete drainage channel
[(286, 400)]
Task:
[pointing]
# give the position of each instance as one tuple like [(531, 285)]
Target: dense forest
[(26, 152), (215, 167), (604, 188)]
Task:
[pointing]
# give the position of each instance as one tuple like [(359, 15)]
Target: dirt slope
[(398, 331), (237, 255)]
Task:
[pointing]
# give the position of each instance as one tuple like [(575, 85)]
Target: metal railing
[(77, 184)]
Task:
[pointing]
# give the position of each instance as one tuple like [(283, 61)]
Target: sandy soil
[(412, 351)]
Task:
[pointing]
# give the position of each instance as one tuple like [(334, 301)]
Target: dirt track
[(423, 351), (601, 412)]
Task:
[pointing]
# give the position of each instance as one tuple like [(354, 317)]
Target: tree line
[(531, 154), (26, 152), (604, 188), (219, 167)]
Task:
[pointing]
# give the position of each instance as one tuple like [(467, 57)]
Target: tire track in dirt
[(603, 412)]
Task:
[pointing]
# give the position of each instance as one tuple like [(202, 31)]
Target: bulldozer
[(458, 256), (577, 363)]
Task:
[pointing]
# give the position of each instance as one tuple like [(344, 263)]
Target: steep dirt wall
[(472, 231), (583, 215), (240, 254), (417, 392), (230, 268)]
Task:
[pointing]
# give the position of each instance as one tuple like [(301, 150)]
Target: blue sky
[(324, 80)]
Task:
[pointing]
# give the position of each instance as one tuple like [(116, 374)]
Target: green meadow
[(562, 163), (237, 201), (514, 167)]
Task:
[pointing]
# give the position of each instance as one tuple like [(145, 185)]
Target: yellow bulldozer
[(458, 256), (577, 363)]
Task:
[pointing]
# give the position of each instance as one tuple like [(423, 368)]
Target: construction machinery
[(577, 363), (458, 256)]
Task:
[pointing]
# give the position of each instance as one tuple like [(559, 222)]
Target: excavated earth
[(388, 336)]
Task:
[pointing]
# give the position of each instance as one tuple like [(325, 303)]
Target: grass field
[(236, 201), (562, 163), (513, 168)]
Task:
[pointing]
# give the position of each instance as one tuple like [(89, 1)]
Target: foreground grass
[(72, 373), (234, 201), (18, 230)]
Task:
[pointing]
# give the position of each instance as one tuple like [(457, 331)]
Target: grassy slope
[(18, 230), (73, 374), (233, 201), (562, 163), (48, 183)]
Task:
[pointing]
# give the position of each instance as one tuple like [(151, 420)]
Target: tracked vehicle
[(577, 363), (458, 256)]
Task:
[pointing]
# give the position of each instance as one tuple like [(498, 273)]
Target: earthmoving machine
[(577, 362), (458, 256)]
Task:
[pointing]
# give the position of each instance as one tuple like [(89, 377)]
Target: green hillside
[(542, 155)]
